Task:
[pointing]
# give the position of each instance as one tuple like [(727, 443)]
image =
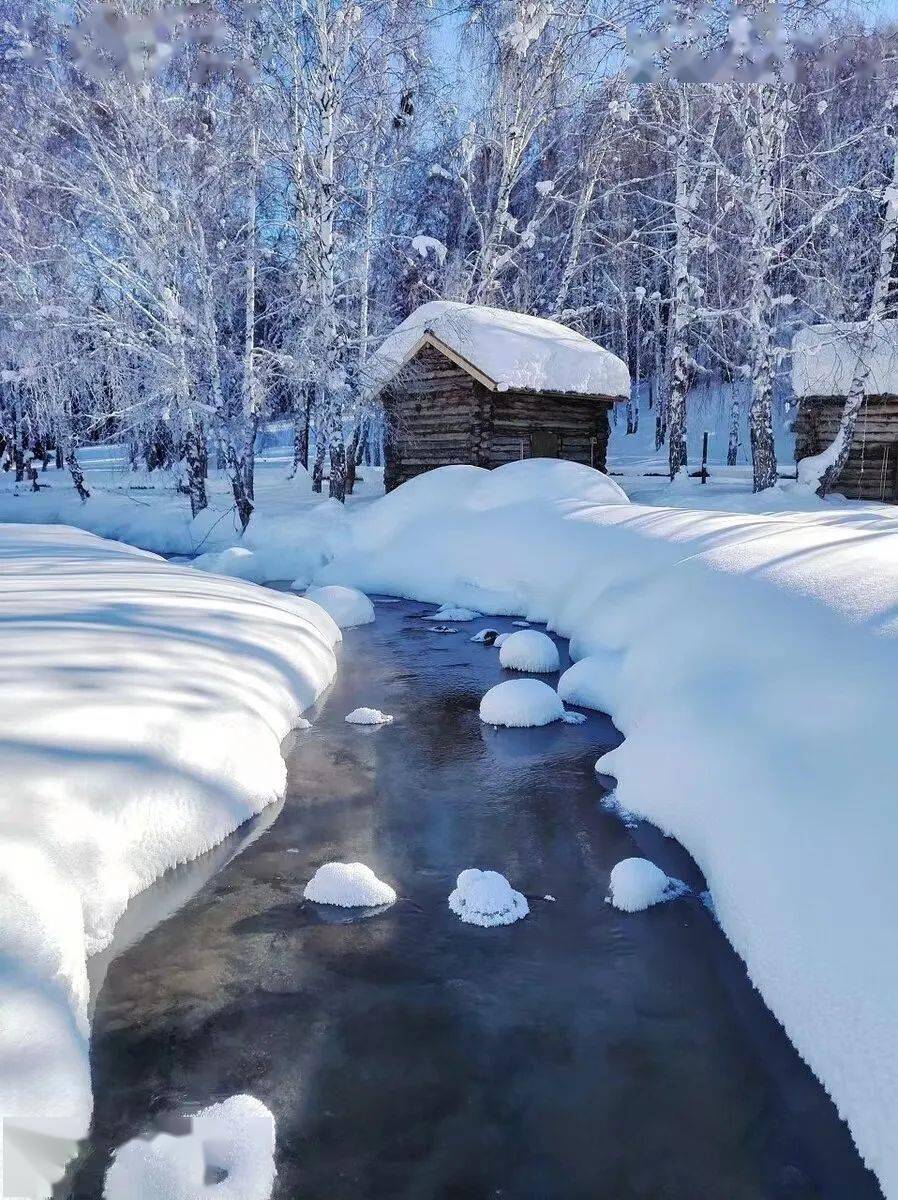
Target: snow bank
[(486, 898), (511, 349), (228, 1154), (592, 682), (521, 703), (756, 659), (348, 606), (368, 716), (529, 650), (350, 885), (142, 706), (637, 884)]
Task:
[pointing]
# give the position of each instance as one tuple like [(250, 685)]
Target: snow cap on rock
[(529, 650), (636, 883), (486, 898), (521, 703), (368, 716), (348, 606), (349, 885), (234, 1138)]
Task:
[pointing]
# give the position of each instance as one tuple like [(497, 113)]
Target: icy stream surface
[(578, 1054)]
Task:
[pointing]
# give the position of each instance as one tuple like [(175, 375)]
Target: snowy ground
[(753, 658), (142, 707)]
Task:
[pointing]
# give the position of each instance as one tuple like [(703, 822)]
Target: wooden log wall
[(871, 472), (437, 414), (581, 423)]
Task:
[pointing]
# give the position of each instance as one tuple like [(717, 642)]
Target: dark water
[(581, 1053)]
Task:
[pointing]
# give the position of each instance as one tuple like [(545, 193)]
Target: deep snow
[(529, 650), (348, 606), (142, 707)]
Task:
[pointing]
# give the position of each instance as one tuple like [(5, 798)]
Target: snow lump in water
[(368, 716), (231, 1142), (521, 703), (486, 898), (529, 650), (637, 884), (349, 885), (348, 606)]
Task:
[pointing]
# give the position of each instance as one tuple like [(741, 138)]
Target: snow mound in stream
[(636, 884), (501, 640), (368, 716), (228, 1154), (486, 898), (348, 606), (349, 885), (486, 637), (520, 704), (452, 612), (529, 650)]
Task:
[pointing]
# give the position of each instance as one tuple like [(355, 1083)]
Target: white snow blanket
[(825, 357), (142, 707), (513, 350), (756, 659), (228, 1154)]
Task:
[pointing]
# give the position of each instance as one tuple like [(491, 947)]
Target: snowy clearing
[(637, 884), (529, 650), (348, 885), (348, 606), (486, 898), (228, 1154), (521, 704), (143, 706)]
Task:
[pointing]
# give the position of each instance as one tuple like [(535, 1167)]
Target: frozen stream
[(581, 1054)]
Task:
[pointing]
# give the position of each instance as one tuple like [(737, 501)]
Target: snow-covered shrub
[(529, 650), (520, 703), (368, 716), (348, 606), (637, 883), (349, 885), (232, 1141), (486, 898)]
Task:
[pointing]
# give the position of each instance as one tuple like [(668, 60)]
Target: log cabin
[(464, 383), (824, 359)]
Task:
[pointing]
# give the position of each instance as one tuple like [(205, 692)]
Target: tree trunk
[(71, 461), (196, 482), (302, 407)]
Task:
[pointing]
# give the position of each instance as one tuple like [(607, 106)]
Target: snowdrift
[(751, 663), (142, 708)]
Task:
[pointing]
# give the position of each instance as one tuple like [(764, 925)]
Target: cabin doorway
[(545, 443)]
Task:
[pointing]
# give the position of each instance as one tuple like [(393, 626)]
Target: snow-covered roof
[(504, 350), (824, 358)]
